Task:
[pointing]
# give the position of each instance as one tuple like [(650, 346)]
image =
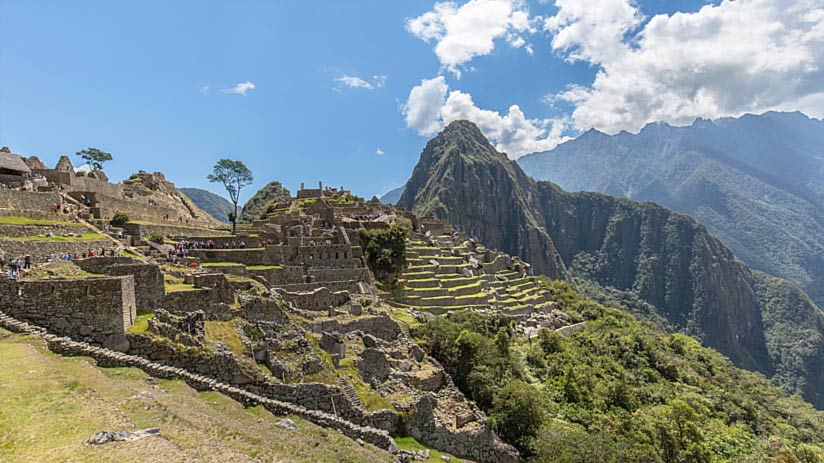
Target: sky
[(348, 92)]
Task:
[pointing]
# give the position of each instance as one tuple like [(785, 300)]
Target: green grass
[(89, 236), (141, 324), (409, 443), (177, 287), (263, 267), (222, 264), (28, 221), (50, 404)]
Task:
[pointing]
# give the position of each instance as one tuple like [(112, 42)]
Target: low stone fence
[(110, 358)]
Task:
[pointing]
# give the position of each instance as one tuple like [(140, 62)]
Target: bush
[(119, 220), (385, 250), (517, 414), (156, 238)]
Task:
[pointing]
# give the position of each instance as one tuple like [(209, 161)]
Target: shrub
[(119, 219), (385, 250), (156, 238)]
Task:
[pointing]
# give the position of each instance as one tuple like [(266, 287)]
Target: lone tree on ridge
[(234, 175), (95, 157)]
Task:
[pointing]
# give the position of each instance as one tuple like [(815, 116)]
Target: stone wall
[(40, 250), (148, 279), (318, 299), (28, 200), (98, 310), (166, 229), (381, 327)]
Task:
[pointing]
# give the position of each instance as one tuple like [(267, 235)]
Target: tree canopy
[(234, 175), (94, 157)]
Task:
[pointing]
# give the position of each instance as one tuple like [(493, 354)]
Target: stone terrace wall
[(167, 229), (148, 279), (40, 250), (72, 182), (28, 200), (381, 327), (99, 310)]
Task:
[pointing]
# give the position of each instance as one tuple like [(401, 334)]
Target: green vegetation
[(221, 264), (621, 390), (233, 175), (28, 221), (385, 250), (88, 236), (263, 202), (119, 219), (141, 324), (157, 238), (214, 205), (94, 157), (409, 443)]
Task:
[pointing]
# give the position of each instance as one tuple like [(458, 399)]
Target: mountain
[(256, 206), (217, 206), (639, 256), (392, 196), (757, 182)]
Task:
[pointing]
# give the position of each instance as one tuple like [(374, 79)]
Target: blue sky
[(334, 82)]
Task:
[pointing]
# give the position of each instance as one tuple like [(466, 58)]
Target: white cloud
[(204, 89), (379, 152), (462, 33), (240, 89), (723, 60), (431, 106), (378, 81)]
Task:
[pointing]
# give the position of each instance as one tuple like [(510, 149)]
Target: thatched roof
[(11, 161)]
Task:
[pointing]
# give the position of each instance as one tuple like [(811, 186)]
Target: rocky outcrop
[(646, 254)]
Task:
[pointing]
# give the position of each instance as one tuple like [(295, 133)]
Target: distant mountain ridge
[(215, 205), (757, 182), (639, 256), (392, 196)]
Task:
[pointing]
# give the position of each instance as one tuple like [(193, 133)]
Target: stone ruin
[(304, 307)]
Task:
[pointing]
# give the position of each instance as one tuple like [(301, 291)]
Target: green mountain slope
[(256, 206), (619, 391), (757, 182), (638, 256), (217, 206)]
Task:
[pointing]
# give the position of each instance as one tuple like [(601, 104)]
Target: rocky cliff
[(637, 255)]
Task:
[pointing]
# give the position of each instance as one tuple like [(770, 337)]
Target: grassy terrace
[(178, 287), (27, 221), (222, 264), (90, 236), (50, 404)]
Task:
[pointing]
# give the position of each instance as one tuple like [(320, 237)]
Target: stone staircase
[(350, 392)]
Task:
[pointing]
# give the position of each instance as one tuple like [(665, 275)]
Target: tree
[(234, 175), (94, 157)]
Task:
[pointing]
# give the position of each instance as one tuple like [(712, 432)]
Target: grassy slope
[(49, 405)]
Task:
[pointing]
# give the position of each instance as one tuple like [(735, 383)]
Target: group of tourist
[(18, 264), (90, 253), (364, 217), (210, 244)]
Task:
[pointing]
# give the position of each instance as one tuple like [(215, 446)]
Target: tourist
[(27, 262), (50, 257), (242, 244)]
